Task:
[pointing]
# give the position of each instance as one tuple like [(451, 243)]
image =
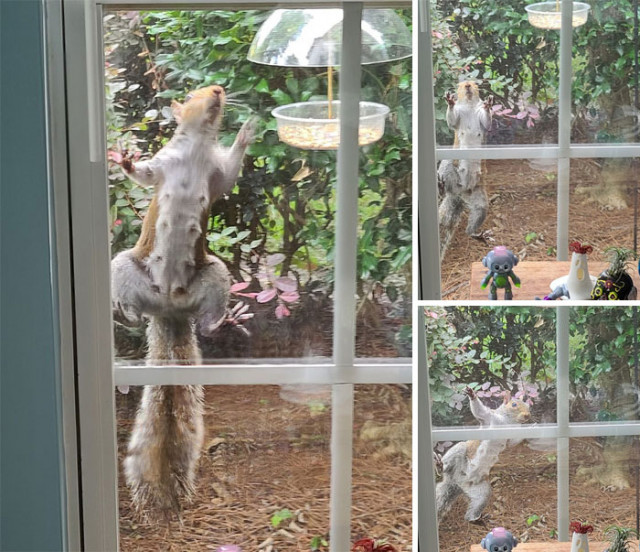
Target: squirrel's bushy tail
[(167, 437)]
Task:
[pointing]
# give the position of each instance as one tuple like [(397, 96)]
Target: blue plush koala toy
[(499, 540)]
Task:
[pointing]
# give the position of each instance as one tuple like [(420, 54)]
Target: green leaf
[(262, 86)]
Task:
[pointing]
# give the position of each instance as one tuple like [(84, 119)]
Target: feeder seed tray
[(306, 125), (546, 15)]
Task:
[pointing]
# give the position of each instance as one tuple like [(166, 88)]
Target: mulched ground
[(263, 454), (523, 202), (524, 499)]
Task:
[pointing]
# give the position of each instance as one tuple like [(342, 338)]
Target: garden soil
[(522, 216)]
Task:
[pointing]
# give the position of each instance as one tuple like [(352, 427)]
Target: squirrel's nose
[(217, 91)]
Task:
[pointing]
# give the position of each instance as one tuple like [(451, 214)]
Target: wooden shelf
[(550, 547), (535, 277)]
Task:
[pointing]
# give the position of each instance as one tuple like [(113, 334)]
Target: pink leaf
[(290, 296), (251, 295), (437, 34), (495, 389), (506, 111), (282, 311), (496, 107), (529, 123), (275, 259), (266, 295), (521, 115), (239, 286), (486, 385), (286, 284), (114, 156)]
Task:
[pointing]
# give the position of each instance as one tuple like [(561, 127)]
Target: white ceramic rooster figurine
[(579, 282)]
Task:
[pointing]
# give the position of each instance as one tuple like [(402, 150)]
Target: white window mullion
[(562, 418), (91, 274), (424, 482), (424, 156), (344, 296), (264, 374), (564, 131)]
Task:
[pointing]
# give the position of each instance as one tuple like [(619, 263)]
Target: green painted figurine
[(500, 262)]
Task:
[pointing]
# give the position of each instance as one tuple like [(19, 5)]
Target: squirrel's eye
[(188, 97), (514, 404)]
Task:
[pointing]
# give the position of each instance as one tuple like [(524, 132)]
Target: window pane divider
[(542, 151), (537, 431), (275, 374), (345, 275)]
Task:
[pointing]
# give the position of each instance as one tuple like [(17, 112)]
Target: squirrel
[(170, 278), (470, 118), (466, 465)]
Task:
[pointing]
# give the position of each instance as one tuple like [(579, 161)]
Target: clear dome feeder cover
[(313, 38)]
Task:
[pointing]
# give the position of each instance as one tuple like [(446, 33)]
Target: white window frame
[(82, 225), (425, 170), (562, 430)]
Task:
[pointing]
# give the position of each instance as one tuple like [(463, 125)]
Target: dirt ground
[(523, 202), (524, 499), (268, 448)]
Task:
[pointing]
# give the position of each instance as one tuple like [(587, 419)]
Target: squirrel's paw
[(247, 132), (484, 236), (450, 99)]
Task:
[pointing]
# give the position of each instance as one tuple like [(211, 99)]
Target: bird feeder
[(313, 38), (547, 15)]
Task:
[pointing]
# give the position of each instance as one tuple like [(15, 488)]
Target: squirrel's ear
[(507, 397), (176, 107)]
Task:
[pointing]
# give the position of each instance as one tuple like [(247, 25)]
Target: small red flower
[(117, 222), (578, 527), (577, 247), (370, 545)]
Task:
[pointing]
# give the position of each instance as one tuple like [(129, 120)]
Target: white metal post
[(424, 483), (562, 408), (424, 156), (344, 299), (564, 131)]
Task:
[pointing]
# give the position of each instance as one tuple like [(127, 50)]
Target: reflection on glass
[(603, 482), (263, 472), (603, 360), (601, 208), (604, 89), (515, 489), (382, 464)]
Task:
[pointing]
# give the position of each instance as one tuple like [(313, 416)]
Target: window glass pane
[(603, 364), (263, 472), (601, 208), (382, 464), (517, 491), (505, 57), (274, 231), (604, 85), (492, 351), (603, 483), (384, 245), (513, 205)]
